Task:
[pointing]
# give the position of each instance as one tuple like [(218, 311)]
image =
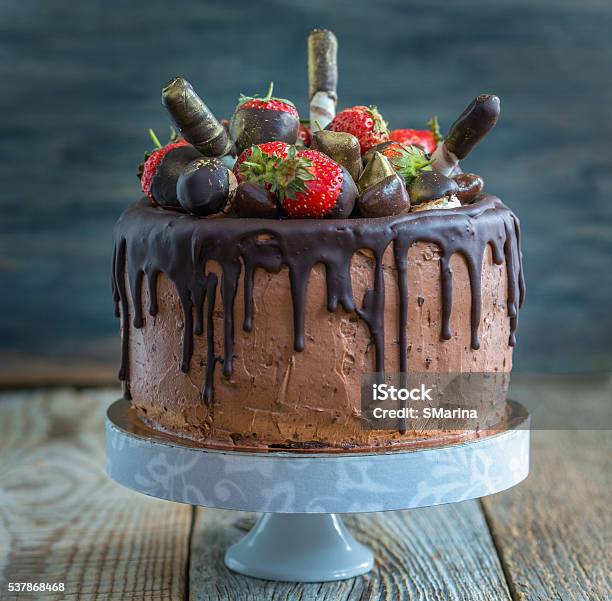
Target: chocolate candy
[(341, 147), (431, 185), (385, 198), (378, 168), (163, 186), (346, 200), (470, 185), (253, 200), (197, 124), (204, 187)]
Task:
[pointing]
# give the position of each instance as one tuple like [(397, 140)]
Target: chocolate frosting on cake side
[(206, 263)]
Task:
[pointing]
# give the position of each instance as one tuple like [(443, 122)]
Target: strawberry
[(309, 184), (258, 120), (152, 169), (411, 137), (304, 135), (256, 163), (407, 160), (365, 123)]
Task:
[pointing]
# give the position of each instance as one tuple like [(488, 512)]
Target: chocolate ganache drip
[(149, 241)]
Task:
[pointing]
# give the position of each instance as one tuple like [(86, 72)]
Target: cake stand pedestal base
[(300, 537), (299, 547)]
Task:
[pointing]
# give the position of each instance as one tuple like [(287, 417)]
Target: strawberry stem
[(270, 90), (154, 138)]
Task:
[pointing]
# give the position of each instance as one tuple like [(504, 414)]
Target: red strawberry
[(420, 137), (152, 161), (364, 122), (256, 163), (304, 135), (308, 183), (259, 120)]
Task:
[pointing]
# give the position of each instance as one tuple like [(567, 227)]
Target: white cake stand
[(300, 536)]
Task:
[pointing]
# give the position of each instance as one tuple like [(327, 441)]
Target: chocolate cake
[(272, 263)]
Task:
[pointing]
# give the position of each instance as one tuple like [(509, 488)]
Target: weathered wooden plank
[(553, 531), (436, 553), (63, 520)]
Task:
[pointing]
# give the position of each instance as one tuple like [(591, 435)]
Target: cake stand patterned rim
[(285, 482), (121, 413)]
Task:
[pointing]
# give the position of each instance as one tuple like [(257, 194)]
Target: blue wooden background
[(80, 86)]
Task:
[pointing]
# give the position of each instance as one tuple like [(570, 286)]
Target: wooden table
[(63, 520)]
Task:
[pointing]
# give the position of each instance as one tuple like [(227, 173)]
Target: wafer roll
[(322, 77), (194, 119)]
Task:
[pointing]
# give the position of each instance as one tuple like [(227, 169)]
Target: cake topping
[(308, 183), (386, 198), (470, 185), (365, 123), (271, 142), (253, 200), (194, 119), (471, 126), (341, 147), (345, 203), (162, 168), (205, 186), (430, 185), (258, 120), (419, 137), (257, 163), (376, 169), (408, 161), (322, 77)]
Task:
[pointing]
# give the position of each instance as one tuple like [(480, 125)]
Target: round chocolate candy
[(430, 185), (204, 187), (253, 200), (345, 203), (470, 185), (163, 185), (385, 198)]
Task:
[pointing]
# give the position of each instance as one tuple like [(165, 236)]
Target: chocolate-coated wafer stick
[(322, 77), (471, 126), (197, 124)]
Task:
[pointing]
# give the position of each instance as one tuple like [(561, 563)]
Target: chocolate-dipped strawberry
[(471, 126), (194, 119), (162, 168), (470, 185), (345, 203), (376, 169), (408, 161), (341, 147), (386, 198), (432, 190), (322, 77), (205, 186), (259, 120), (253, 200)]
